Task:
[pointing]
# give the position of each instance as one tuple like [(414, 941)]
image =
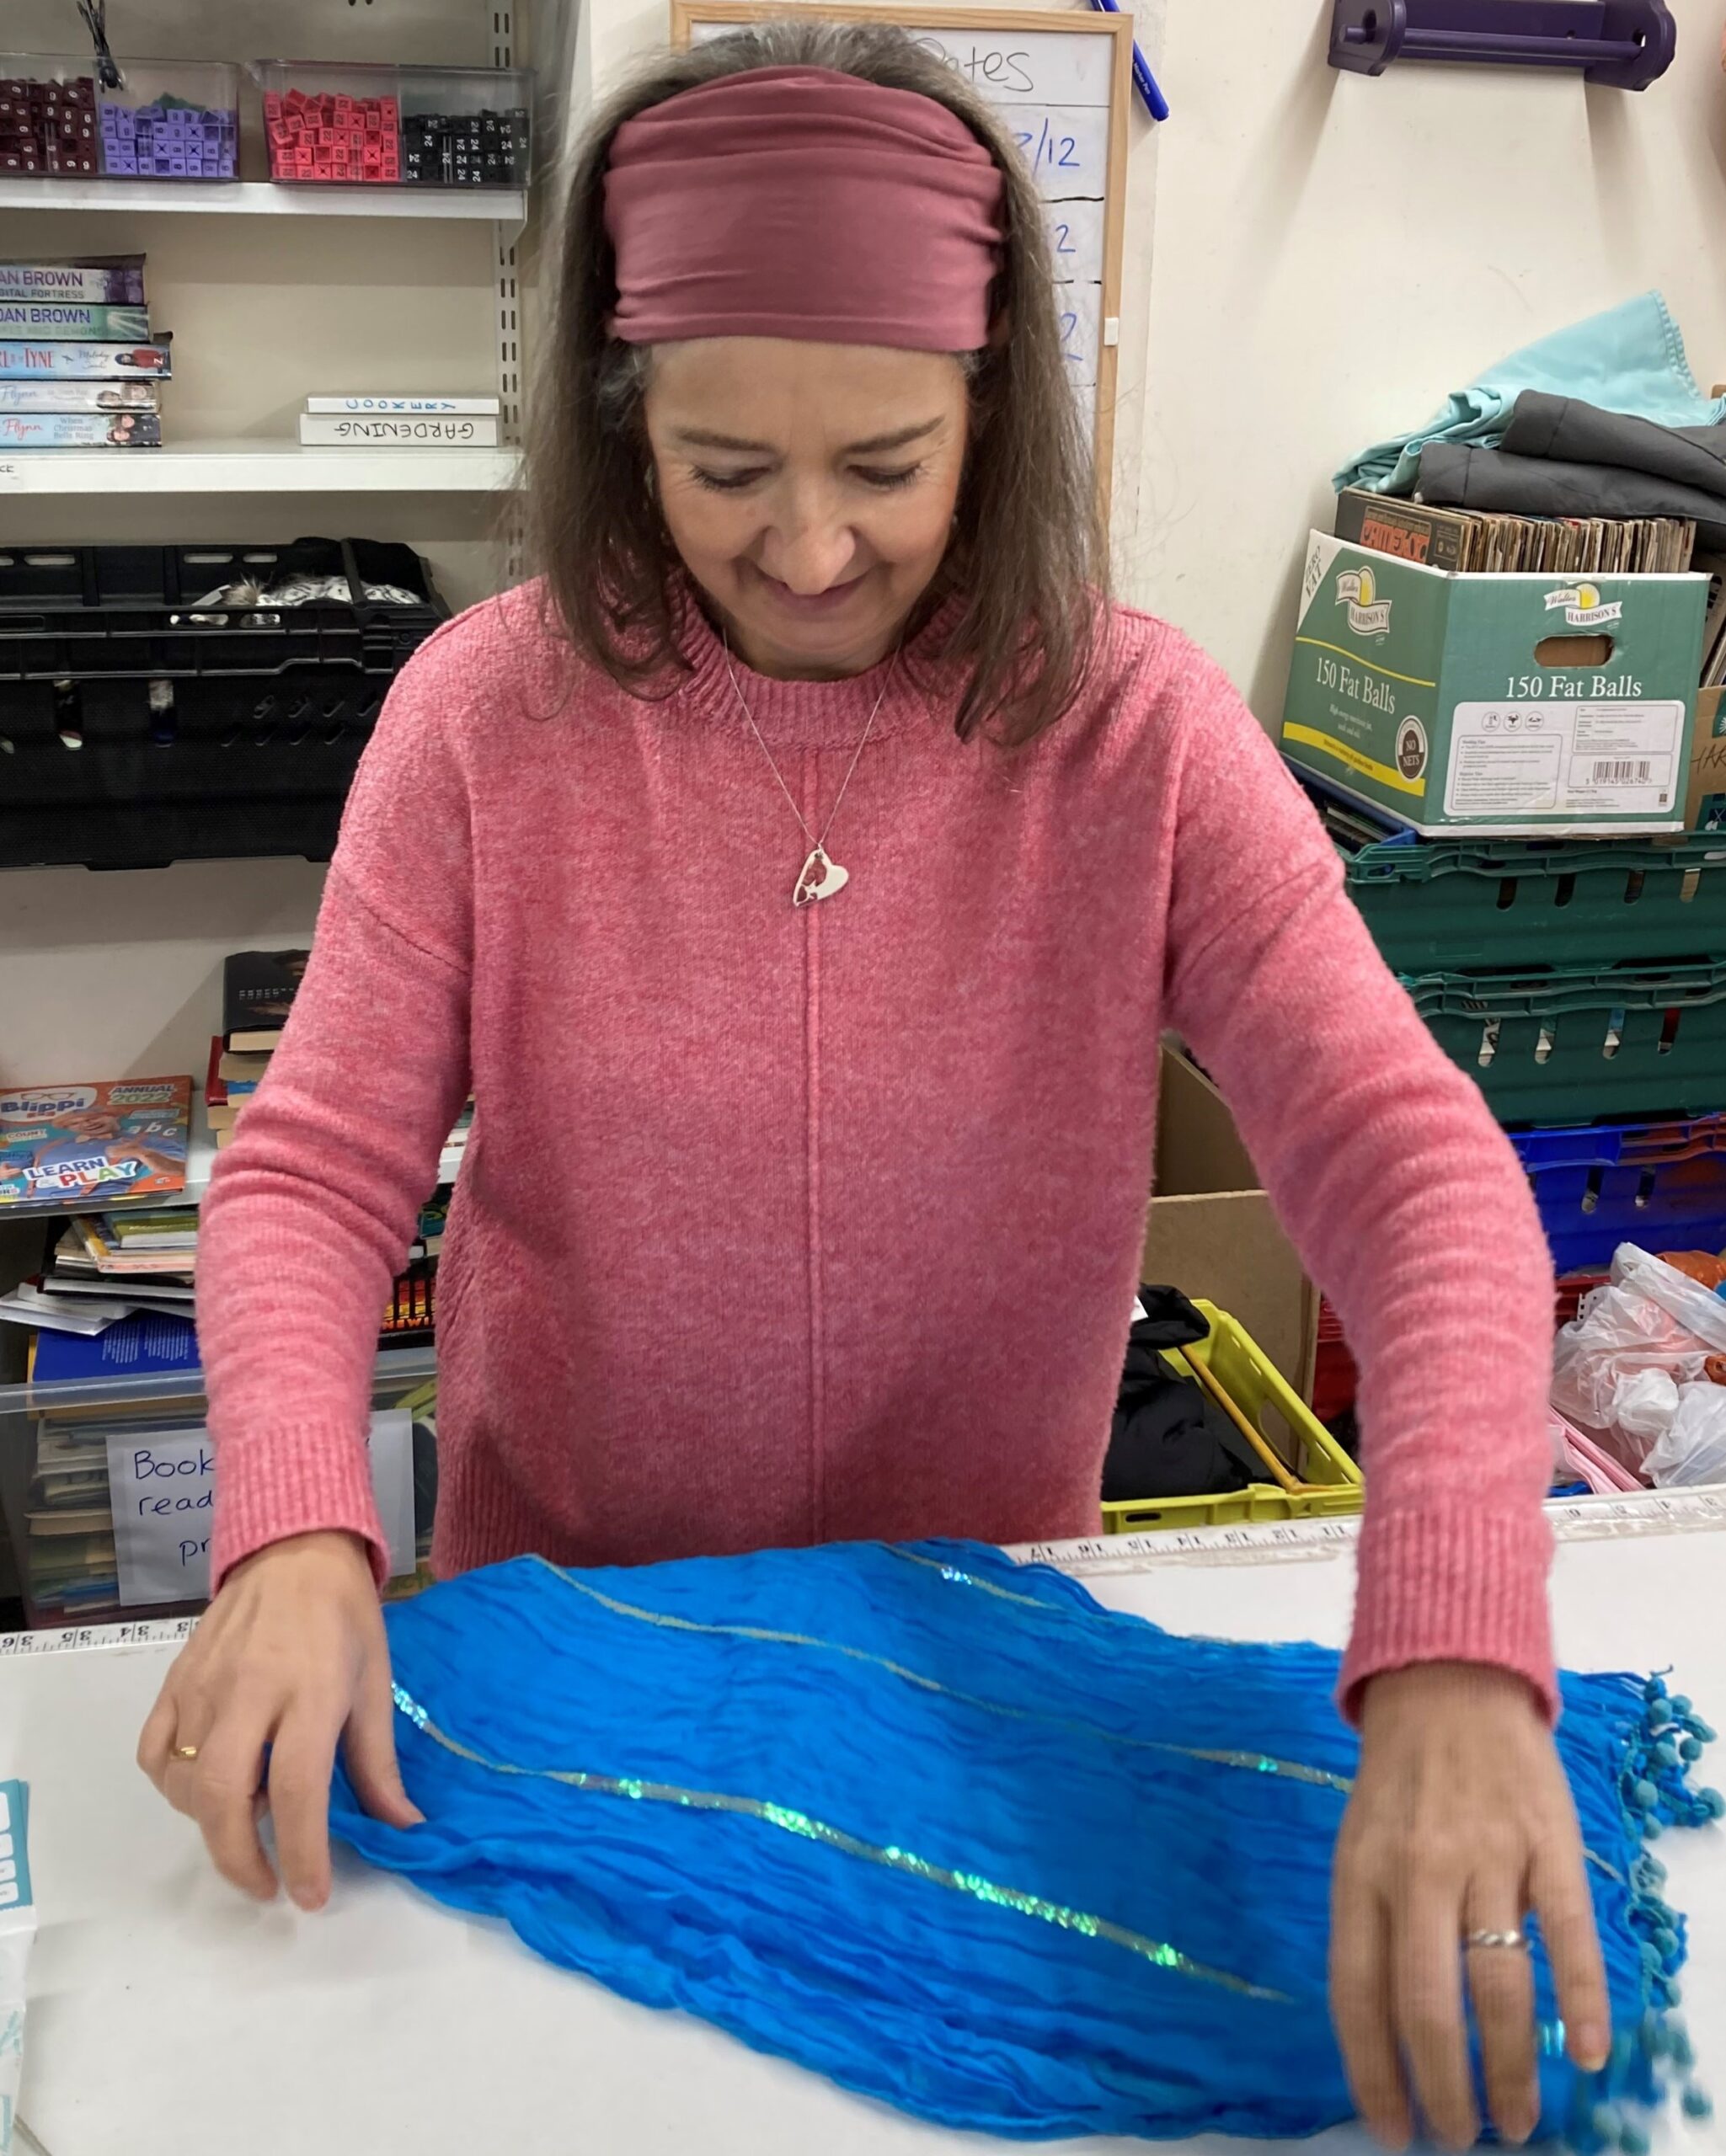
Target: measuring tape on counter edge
[(1292, 1541), (1298, 1541)]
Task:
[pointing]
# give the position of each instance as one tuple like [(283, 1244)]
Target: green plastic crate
[(1578, 1046), (1443, 908)]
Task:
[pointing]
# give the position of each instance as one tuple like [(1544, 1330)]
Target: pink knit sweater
[(777, 1226)]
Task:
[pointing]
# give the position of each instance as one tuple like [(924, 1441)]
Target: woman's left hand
[(1461, 1820)]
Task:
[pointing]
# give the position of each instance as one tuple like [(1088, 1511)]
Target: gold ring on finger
[(185, 1752)]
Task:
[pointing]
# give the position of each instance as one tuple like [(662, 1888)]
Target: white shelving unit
[(201, 1163), (257, 468), (263, 199)]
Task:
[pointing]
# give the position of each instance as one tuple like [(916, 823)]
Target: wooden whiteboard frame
[(686, 15)]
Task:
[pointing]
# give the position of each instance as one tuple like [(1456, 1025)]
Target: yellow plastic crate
[(1327, 1482)]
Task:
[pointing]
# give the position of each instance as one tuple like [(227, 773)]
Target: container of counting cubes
[(396, 126), (172, 120), (48, 122)]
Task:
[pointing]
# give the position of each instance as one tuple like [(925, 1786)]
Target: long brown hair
[(1027, 557)]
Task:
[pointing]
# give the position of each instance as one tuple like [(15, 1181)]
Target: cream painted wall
[(1334, 252), (1312, 260)]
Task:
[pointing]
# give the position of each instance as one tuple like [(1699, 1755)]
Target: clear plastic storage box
[(62, 1445), (48, 122), (396, 126), (170, 119)]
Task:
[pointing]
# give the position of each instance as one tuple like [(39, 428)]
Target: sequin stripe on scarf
[(807, 1828), (1256, 1763)]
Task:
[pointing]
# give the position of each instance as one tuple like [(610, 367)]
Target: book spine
[(78, 396), (80, 431), (60, 318), (26, 361), (474, 406), (1435, 537), (118, 283), (421, 431)]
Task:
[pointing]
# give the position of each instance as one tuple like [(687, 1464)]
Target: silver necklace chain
[(820, 865)]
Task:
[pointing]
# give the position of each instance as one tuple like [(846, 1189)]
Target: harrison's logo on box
[(1582, 606), (1369, 615)]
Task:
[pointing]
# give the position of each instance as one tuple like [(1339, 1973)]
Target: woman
[(803, 881)]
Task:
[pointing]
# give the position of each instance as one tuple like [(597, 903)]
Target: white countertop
[(169, 2018)]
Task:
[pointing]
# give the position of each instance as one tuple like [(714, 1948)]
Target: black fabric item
[(1568, 431), (1170, 1321), (1561, 458), (1168, 1439)]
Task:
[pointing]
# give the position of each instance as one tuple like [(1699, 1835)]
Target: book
[(110, 1258), (124, 1138), (27, 1304), (240, 1072), (258, 991), (79, 397), (402, 430), (479, 405), (102, 279), (137, 1291), (80, 431), (72, 361), (77, 318), (134, 1346), (152, 1230)]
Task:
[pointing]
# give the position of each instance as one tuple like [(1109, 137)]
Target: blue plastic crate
[(1662, 1185)]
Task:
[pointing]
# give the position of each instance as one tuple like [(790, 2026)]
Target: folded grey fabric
[(1568, 431), (1459, 477)]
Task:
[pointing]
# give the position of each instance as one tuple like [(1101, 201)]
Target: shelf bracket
[(1626, 44)]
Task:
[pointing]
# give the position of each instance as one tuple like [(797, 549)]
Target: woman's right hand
[(291, 1657)]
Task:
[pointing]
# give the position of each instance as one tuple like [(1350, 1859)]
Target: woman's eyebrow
[(876, 445)]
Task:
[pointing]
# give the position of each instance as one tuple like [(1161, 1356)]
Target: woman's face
[(810, 488)]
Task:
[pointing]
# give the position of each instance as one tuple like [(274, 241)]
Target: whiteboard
[(1060, 82)]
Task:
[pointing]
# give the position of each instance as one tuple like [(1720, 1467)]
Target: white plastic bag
[(1692, 1449), (1620, 1368)]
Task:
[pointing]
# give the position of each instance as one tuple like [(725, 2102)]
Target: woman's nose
[(809, 552)]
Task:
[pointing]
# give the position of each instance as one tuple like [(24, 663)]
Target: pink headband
[(801, 202)]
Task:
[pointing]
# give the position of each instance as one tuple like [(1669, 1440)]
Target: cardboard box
[(1705, 806), (1529, 705), (1211, 1232)]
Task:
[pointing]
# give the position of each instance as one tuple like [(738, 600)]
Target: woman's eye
[(875, 476), (723, 483)]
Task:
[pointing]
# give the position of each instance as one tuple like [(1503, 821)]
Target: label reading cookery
[(1566, 759)]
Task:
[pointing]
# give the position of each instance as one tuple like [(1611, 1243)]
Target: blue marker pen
[(1143, 80)]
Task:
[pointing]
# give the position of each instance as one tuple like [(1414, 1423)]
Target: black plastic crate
[(140, 725)]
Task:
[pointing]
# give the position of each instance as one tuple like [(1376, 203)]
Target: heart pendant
[(820, 878)]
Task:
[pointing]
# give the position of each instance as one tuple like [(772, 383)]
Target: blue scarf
[(942, 1827)]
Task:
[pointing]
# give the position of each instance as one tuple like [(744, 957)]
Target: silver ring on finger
[(1517, 1941)]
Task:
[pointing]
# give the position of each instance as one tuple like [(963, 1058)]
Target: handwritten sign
[(1017, 66), (162, 1485), (1076, 242)]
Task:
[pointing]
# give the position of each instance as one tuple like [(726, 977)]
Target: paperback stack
[(78, 369), (257, 990), (400, 423)]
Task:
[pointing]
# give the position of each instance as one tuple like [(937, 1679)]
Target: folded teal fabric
[(1630, 358), (941, 1828)]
